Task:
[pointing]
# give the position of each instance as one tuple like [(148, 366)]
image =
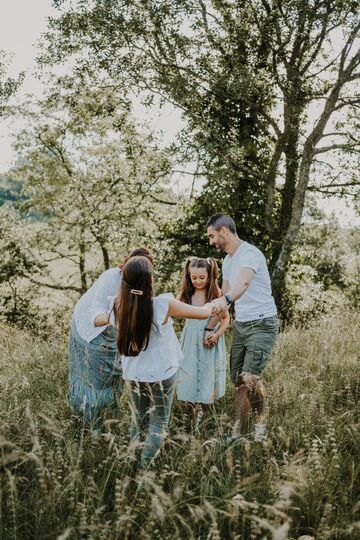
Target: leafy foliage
[(8, 85), (323, 275), (99, 185), (246, 76), (10, 190), (18, 262)]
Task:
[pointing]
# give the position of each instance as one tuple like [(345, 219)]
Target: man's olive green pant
[(251, 346)]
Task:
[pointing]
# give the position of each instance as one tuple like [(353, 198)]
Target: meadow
[(58, 482)]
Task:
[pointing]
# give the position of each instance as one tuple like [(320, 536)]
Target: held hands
[(209, 308), (210, 339), (214, 307), (213, 339), (207, 336), (220, 305)]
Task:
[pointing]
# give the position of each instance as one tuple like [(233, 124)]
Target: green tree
[(249, 78), (18, 262), (99, 184), (323, 276), (8, 85)]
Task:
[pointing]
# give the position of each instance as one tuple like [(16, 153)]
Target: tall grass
[(58, 482)]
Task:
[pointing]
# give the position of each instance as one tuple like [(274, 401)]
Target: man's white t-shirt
[(257, 301)]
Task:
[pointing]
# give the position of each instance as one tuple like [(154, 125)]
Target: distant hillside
[(10, 190)]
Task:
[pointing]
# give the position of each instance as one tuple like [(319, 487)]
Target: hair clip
[(208, 260), (137, 292)]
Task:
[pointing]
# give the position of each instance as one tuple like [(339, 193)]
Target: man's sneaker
[(233, 438), (260, 433)]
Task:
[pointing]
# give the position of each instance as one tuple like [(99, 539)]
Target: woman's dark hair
[(141, 251), (133, 307), (212, 286)]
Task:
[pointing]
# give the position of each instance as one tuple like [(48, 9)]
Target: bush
[(307, 299)]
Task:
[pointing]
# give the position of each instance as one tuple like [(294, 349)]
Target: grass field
[(57, 482)]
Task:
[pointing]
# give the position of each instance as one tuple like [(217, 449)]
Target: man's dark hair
[(222, 220)]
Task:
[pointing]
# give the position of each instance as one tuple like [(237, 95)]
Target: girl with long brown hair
[(202, 373), (150, 351)]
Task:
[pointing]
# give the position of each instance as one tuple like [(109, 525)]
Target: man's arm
[(244, 278), (225, 287)]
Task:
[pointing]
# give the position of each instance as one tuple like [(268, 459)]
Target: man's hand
[(213, 308), (210, 308)]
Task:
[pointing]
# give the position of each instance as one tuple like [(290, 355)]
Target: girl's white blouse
[(161, 359), (94, 302)]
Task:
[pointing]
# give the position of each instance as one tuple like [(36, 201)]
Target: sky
[(21, 25)]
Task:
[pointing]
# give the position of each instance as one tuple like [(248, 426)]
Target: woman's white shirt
[(161, 359), (94, 302)]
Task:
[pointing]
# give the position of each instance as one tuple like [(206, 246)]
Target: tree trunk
[(282, 262), (291, 135), (106, 258), (82, 250), (271, 183), (291, 172)]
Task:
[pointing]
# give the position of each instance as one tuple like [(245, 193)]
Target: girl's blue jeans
[(151, 406)]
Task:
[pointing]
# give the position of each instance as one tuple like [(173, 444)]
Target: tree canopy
[(8, 85), (98, 184), (260, 85)]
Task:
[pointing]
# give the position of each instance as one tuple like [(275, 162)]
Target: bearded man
[(247, 285)]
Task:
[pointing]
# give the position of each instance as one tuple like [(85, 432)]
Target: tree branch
[(349, 102), (57, 287), (190, 173), (171, 203), (333, 134), (58, 153), (348, 147), (327, 190)]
